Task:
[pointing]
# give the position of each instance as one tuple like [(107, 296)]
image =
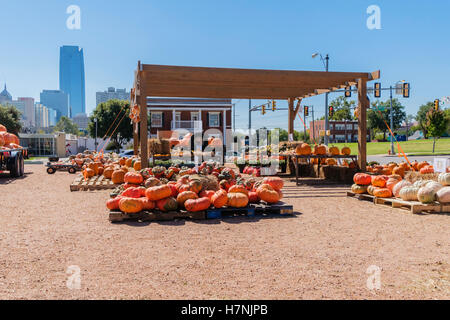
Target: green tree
[(120, 131), (66, 125), (436, 124), (379, 116), (342, 108), (422, 117), (10, 118)]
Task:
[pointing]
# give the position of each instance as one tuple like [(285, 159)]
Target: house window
[(195, 116), (177, 116), (214, 119), (156, 119)]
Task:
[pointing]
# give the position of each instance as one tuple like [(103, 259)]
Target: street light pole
[(95, 120), (327, 122), (392, 123)]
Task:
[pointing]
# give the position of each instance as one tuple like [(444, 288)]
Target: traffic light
[(306, 111), (348, 92), (330, 112), (377, 90), (274, 105), (263, 110), (436, 104), (405, 90)]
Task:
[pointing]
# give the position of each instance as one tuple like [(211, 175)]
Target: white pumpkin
[(426, 195), (444, 179), (399, 186), (436, 186), (443, 195), (409, 193), (421, 183)]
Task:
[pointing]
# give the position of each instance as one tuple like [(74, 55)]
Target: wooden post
[(291, 117), (363, 104), (135, 139), (144, 119)]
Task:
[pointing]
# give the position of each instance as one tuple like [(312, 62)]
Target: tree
[(436, 124), (120, 131), (409, 120), (66, 125), (342, 108), (379, 116), (422, 117), (10, 118)]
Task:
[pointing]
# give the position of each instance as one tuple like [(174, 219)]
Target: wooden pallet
[(251, 211), (118, 216), (362, 197), (94, 183), (414, 207)]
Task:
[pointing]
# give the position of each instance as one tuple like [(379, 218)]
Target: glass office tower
[(71, 78)]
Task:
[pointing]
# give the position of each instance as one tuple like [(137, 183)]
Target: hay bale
[(154, 146), (209, 182)]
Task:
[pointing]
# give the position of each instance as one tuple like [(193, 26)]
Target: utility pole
[(249, 114), (95, 120), (392, 125), (314, 129), (327, 124), (234, 117)]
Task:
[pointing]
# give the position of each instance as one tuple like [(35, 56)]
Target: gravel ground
[(324, 252)]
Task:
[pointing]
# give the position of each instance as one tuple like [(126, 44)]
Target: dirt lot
[(324, 252)]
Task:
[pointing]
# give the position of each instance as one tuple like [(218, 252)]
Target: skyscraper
[(112, 93), (71, 78), (57, 100)]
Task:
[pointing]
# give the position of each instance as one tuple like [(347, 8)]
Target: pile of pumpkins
[(400, 169), (383, 186), (141, 192), (8, 141), (305, 149)]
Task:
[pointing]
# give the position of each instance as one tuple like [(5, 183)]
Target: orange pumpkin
[(88, 173), (382, 193), (303, 149), (147, 204), (113, 204), (399, 171), (331, 162), (275, 182), (379, 181), (238, 189), (196, 205), (137, 165), (152, 182), (129, 162), (427, 170), (422, 164), (391, 183), (334, 151), (219, 199), (268, 194), (362, 179), (184, 196), (320, 149), (346, 151), (2, 128), (158, 192), (237, 200), (2, 140), (118, 176), (122, 161), (207, 193), (167, 204), (253, 197), (195, 186), (132, 193), (131, 205), (133, 177)]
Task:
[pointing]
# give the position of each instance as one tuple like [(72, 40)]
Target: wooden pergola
[(200, 82)]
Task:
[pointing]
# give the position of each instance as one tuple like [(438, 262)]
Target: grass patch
[(415, 147)]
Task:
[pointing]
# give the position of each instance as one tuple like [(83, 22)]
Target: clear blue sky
[(412, 44)]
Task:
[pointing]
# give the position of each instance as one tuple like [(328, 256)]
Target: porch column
[(224, 133), (173, 124), (363, 104)]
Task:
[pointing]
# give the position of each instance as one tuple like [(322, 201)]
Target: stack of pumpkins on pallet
[(305, 149), (8, 141), (148, 190), (402, 168), (383, 186)]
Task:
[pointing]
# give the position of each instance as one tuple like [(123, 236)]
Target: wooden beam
[(363, 105), (143, 123), (291, 116), (135, 138), (375, 75)]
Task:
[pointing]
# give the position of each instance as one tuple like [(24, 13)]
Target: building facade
[(5, 96), (191, 114), (112, 93), (340, 131), (28, 115), (57, 100), (41, 115), (72, 79), (81, 120)]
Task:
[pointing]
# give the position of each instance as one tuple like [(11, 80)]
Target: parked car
[(127, 153)]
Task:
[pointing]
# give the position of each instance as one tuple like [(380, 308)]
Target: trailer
[(13, 161), (53, 167)]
